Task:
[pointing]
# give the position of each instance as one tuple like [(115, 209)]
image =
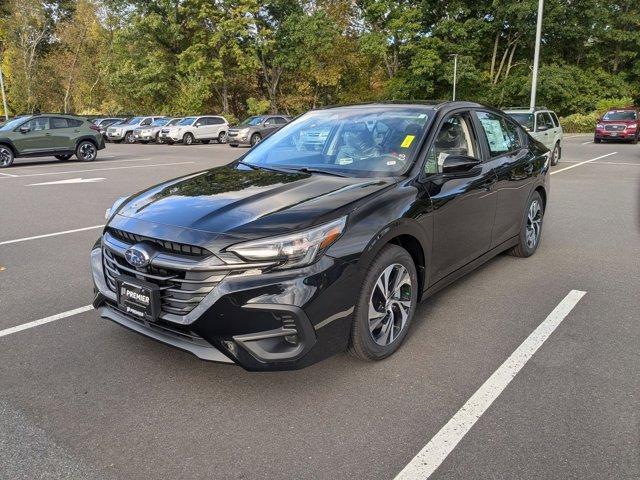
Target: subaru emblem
[(138, 256)]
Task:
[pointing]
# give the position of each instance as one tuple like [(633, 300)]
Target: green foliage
[(579, 123), (257, 106), (606, 104), (240, 57)]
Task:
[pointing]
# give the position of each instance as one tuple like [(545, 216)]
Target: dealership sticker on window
[(408, 140)]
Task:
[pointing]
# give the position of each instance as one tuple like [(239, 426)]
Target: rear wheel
[(531, 228), (188, 139), (6, 156), (385, 306), (66, 156), (86, 151), (222, 137), (255, 138)]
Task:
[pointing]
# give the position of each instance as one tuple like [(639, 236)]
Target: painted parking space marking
[(100, 169), (583, 163), (19, 168), (42, 321), (6, 174), (68, 181), (442, 444), (55, 234)]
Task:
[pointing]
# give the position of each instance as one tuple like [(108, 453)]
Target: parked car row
[(189, 130)]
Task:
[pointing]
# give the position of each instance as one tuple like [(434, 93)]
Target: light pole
[(455, 74), (4, 97), (536, 56)]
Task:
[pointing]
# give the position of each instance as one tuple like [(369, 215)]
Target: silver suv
[(125, 131), (543, 125)]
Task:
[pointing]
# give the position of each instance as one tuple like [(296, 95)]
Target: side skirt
[(462, 271)]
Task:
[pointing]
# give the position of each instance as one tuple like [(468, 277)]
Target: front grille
[(614, 128), (180, 290), (163, 245)]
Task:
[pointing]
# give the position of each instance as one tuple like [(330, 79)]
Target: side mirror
[(542, 128), (459, 164), (25, 129), (197, 124)]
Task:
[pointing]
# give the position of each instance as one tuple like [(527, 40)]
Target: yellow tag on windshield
[(408, 140)]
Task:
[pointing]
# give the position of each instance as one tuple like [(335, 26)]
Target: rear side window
[(502, 135), (59, 122), (215, 121), (280, 121)]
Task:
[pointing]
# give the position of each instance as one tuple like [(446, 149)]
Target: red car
[(621, 124)]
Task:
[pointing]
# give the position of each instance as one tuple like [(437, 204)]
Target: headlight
[(108, 213), (632, 126), (244, 131), (293, 250), (599, 126)]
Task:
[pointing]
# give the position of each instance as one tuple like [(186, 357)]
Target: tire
[(6, 156), (635, 140), (597, 140), (234, 145), (206, 142), (370, 339), (188, 139), (531, 226), (255, 139), (158, 139), (86, 151), (555, 154), (129, 138), (64, 157), (222, 137)]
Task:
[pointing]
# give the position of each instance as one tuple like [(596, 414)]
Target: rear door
[(544, 129), (464, 204), (514, 167), (64, 131), (557, 128)]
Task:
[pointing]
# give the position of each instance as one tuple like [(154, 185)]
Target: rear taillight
[(94, 127)]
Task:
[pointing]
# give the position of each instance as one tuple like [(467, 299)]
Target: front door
[(463, 204), (37, 139)]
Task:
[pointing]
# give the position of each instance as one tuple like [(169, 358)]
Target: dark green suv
[(60, 136)]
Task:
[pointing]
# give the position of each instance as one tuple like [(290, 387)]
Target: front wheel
[(386, 305), (86, 151), (129, 138), (255, 139), (597, 140), (531, 228), (6, 156), (64, 157), (188, 139), (158, 139), (555, 154)]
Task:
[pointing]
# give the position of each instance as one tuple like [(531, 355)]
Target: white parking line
[(42, 321), (18, 240), (582, 163), (7, 174), (66, 164), (442, 444), (101, 169), (587, 143)]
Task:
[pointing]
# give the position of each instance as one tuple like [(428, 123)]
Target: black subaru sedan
[(323, 237)]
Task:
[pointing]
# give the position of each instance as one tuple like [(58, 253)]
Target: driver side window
[(454, 138)]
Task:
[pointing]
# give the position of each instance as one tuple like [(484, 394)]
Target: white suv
[(543, 125), (202, 129)]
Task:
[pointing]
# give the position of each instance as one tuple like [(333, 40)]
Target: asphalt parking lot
[(82, 398)]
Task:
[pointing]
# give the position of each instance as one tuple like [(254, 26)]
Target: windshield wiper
[(261, 167), (319, 170)]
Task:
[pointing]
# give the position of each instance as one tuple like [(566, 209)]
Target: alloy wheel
[(389, 304), (87, 151), (6, 157), (222, 137), (534, 224)]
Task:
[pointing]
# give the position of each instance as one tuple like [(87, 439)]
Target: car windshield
[(524, 119), (12, 124), (620, 115), (135, 120), (372, 141), (252, 121), (187, 121), (173, 122), (159, 122)]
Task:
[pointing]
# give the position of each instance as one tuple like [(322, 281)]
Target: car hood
[(247, 203)]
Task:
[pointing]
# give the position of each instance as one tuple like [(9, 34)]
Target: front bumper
[(143, 138), (261, 321), (114, 136), (235, 138), (619, 135)]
